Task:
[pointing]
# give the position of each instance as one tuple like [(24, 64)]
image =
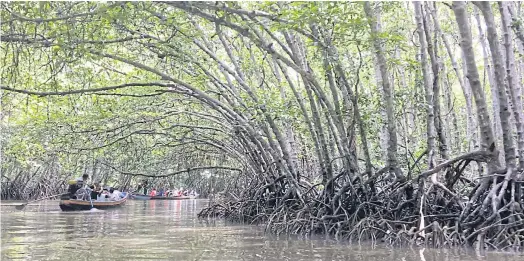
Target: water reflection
[(168, 230)]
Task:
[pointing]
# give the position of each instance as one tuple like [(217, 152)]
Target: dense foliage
[(396, 120)]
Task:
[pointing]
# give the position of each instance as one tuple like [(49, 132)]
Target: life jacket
[(153, 193)]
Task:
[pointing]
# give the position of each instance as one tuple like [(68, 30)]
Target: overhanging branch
[(172, 173), (108, 88), (20, 17)]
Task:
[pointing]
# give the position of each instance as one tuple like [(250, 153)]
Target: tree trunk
[(517, 27), (488, 140), (288, 130), (500, 77), (466, 89), (388, 92), (514, 86), (344, 146), (497, 128), (433, 54), (454, 132), (430, 120)]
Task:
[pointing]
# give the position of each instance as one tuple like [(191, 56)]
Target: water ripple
[(169, 230)]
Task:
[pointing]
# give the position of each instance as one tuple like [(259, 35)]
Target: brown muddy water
[(169, 230)]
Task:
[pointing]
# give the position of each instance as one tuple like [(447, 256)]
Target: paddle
[(90, 199), (20, 207)]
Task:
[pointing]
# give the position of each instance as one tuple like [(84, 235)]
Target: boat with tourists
[(83, 197), (165, 194), (139, 197), (148, 197), (173, 197), (78, 204)]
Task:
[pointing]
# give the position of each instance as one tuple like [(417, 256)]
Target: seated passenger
[(115, 194), (98, 188), (153, 192), (94, 193), (103, 195)]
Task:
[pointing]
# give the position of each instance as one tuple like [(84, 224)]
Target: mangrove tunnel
[(398, 122)]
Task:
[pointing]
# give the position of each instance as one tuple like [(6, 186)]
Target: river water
[(169, 230)]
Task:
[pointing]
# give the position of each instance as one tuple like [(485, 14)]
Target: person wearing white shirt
[(115, 194)]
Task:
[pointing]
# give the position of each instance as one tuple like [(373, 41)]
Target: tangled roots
[(486, 214)]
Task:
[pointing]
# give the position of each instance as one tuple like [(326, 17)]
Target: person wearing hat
[(75, 185), (71, 189)]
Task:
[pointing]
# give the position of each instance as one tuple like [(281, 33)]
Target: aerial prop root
[(451, 213)]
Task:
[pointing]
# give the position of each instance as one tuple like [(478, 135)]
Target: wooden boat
[(75, 204), (140, 197), (173, 198)]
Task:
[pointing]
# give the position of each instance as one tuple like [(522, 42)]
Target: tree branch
[(19, 17), (108, 88), (480, 155), (253, 15), (172, 173)]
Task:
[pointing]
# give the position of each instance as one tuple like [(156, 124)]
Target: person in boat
[(161, 192), (76, 184), (97, 190), (141, 186), (82, 180), (114, 194), (153, 192), (94, 193), (71, 190), (104, 195), (144, 185)]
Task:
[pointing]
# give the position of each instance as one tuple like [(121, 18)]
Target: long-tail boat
[(173, 198), (75, 204), (140, 197)]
